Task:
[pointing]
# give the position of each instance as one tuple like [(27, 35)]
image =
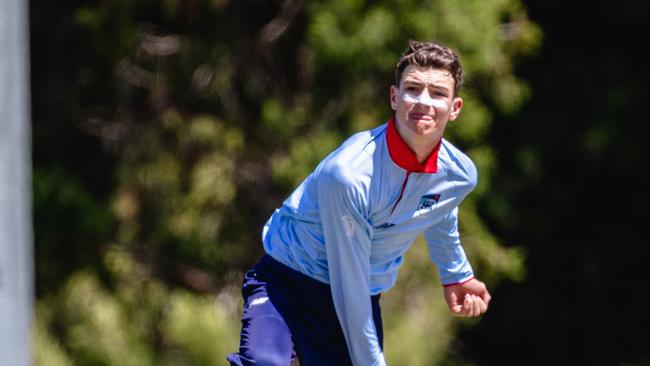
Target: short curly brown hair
[(431, 55)]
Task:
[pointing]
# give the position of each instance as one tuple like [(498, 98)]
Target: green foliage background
[(166, 132)]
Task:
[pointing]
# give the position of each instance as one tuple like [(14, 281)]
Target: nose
[(424, 99)]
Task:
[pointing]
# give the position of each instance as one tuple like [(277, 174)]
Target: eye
[(438, 93)]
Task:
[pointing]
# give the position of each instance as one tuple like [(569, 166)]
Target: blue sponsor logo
[(428, 201)]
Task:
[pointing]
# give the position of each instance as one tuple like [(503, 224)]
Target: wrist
[(459, 282)]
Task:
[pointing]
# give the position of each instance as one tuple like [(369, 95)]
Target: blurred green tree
[(167, 132)]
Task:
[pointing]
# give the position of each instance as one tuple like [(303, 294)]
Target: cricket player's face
[(424, 102)]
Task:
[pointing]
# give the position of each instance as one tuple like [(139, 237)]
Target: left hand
[(469, 299)]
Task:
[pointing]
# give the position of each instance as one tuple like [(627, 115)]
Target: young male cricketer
[(338, 240)]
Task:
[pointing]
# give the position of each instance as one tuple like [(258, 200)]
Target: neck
[(404, 155), (423, 154), (421, 147)]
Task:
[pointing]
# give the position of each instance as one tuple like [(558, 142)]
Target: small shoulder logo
[(427, 201)]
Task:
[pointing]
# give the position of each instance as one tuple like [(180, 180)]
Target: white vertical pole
[(16, 287)]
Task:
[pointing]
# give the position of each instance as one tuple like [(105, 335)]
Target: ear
[(393, 97), (456, 106)]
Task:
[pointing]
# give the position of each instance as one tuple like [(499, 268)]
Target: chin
[(425, 132), (424, 127)]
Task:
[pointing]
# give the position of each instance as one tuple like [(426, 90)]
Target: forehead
[(428, 75)]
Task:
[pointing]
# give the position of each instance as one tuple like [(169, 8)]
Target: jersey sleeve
[(443, 240), (347, 240)]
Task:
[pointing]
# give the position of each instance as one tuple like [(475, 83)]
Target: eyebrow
[(420, 83)]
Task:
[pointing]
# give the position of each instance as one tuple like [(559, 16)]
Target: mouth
[(420, 116)]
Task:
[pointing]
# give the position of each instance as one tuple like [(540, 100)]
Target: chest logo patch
[(428, 201)]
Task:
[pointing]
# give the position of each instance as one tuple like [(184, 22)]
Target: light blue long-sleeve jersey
[(350, 222)]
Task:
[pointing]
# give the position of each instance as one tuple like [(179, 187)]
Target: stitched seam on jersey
[(401, 191), (450, 173)]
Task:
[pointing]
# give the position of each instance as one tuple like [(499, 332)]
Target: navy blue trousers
[(288, 314)]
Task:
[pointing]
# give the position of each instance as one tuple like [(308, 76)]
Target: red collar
[(403, 156)]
